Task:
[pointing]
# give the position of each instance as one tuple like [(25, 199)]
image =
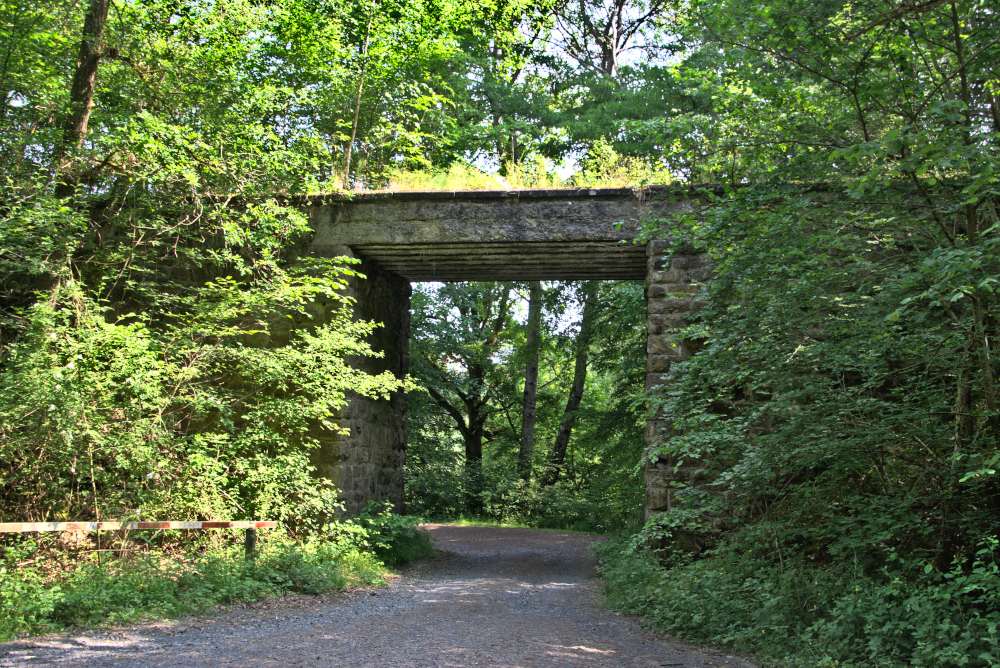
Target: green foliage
[(151, 585), (26, 600), (510, 500), (532, 172), (800, 613), (165, 349), (394, 539), (842, 398), (846, 380), (604, 167), (476, 356), (183, 419), (457, 177), (502, 110), (142, 584), (501, 496)]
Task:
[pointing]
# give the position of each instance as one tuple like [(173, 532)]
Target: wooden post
[(250, 544)]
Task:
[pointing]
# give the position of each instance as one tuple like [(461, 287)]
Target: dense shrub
[(798, 613), (26, 599), (394, 539), (164, 349), (500, 495)]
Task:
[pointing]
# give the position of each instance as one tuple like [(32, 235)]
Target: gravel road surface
[(509, 598)]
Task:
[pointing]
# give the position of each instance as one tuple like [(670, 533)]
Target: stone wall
[(676, 275), (373, 456), (367, 463)]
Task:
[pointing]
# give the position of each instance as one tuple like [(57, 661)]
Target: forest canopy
[(151, 155)]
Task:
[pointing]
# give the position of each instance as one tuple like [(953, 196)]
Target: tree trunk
[(979, 314), (533, 340), (357, 103), (81, 99), (474, 437), (965, 425), (474, 459), (561, 444), (472, 426)]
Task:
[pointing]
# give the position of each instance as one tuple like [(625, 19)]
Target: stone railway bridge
[(487, 235)]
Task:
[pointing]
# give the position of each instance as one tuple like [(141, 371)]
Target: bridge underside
[(511, 261)]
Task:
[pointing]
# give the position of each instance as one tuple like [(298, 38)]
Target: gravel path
[(510, 598)]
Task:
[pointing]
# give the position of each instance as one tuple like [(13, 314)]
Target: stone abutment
[(674, 284)]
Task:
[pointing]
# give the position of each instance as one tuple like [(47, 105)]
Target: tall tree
[(558, 455), (505, 112), (596, 34), (532, 344), (357, 101), (612, 73), (458, 331), (81, 100)]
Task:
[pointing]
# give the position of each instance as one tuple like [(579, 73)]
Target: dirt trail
[(510, 598)]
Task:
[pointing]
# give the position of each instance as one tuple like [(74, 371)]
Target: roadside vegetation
[(52, 583), (167, 352)]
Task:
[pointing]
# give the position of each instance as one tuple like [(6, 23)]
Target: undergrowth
[(472, 521), (394, 539), (37, 597), (457, 177), (798, 614), (511, 502), (441, 490), (600, 167)]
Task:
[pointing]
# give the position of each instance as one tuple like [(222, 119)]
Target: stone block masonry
[(562, 234), (366, 464), (373, 456), (674, 283)]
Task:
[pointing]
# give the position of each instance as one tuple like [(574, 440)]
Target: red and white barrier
[(26, 527)]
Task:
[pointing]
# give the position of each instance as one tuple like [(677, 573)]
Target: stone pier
[(675, 280)]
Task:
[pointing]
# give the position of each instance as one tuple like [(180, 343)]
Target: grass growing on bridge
[(602, 167)]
